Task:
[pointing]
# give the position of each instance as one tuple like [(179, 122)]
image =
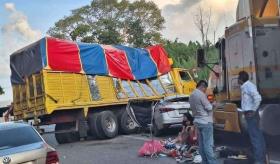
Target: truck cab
[(184, 80)]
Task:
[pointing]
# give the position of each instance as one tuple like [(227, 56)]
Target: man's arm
[(205, 102)]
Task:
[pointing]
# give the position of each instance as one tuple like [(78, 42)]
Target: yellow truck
[(80, 103), (251, 44)]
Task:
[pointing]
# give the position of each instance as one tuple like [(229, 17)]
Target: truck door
[(268, 61), (240, 57), (235, 61)]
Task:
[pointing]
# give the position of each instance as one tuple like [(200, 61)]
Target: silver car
[(21, 143), (169, 112)]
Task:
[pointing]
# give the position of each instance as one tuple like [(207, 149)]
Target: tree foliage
[(202, 20), (136, 24), (112, 22), (184, 55)]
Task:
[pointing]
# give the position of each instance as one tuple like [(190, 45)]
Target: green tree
[(1, 90), (184, 55), (112, 22)]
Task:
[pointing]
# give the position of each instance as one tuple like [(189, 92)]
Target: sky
[(25, 21)]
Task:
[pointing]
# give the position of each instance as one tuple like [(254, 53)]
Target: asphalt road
[(123, 150), (120, 150)]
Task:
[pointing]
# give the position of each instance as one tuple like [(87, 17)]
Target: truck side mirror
[(200, 57)]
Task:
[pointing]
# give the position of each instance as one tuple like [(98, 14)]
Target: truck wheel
[(107, 124), (66, 137), (93, 129), (127, 126), (269, 119)]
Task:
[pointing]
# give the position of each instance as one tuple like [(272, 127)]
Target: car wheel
[(66, 137), (156, 131), (127, 126), (108, 124), (93, 128)]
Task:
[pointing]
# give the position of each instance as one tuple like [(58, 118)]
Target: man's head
[(243, 77), (202, 85)]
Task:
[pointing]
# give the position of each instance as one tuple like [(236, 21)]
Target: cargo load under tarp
[(93, 59)]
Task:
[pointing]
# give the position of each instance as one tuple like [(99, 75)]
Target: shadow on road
[(238, 140)]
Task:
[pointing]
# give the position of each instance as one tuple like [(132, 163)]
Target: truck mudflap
[(270, 119)]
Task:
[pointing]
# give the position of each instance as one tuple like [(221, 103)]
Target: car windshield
[(20, 136)]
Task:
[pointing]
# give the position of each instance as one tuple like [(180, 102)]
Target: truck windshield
[(184, 76)]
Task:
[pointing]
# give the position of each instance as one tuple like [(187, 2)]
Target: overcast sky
[(25, 21)]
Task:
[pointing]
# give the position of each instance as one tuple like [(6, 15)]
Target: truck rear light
[(163, 110), (52, 158)]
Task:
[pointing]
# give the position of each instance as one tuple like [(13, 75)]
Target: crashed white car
[(169, 113)]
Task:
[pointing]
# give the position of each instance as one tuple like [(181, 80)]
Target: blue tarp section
[(43, 51), (93, 59), (141, 64)]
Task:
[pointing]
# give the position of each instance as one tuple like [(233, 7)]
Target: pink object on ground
[(150, 148)]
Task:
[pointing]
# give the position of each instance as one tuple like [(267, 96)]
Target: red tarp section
[(117, 63), (160, 58), (63, 55)]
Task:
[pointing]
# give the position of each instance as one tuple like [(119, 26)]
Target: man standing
[(202, 111), (250, 102)]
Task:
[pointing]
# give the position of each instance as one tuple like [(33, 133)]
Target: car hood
[(175, 97), (175, 102)]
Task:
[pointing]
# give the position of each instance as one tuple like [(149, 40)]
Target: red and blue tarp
[(94, 59)]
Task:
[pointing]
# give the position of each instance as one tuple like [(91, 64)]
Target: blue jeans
[(256, 138), (206, 143)]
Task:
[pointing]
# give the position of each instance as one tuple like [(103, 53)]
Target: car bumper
[(165, 120)]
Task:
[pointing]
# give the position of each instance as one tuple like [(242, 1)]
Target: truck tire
[(269, 119), (66, 137), (127, 126), (107, 124), (93, 129)]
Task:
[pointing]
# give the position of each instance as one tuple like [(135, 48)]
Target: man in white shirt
[(250, 102)]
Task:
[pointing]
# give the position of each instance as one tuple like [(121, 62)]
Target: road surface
[(123, 150)]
